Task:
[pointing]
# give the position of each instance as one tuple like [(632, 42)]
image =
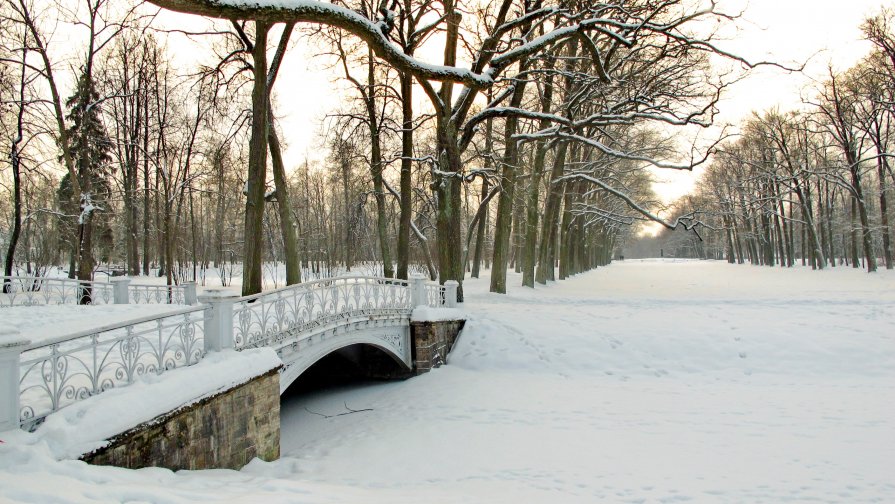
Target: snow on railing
[(29, 291), (57, 372)]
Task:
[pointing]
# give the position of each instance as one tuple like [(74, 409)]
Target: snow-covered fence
[(56, 372), (29, 291)]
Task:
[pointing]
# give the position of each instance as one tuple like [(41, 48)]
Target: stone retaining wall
[(431, 342), (224, 431)]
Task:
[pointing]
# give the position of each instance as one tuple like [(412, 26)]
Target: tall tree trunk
[(504, 224), (866, 238), (808, 217), (829, 218), (406, 175), (448, 186), (218, 164), (853, 233), (349, 213), (15, 162), (284, 204), (146, 215), (483, 221), (881, 168), (547, 250), (254, 215), (480, 230), (518, 217), (779, 223), (376, 166), (532, 214)]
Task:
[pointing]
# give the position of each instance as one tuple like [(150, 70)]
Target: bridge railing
[(57, 372), (31, 290), (261, 318)]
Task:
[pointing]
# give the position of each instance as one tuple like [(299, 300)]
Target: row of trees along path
[(540, 123), (810, 185)]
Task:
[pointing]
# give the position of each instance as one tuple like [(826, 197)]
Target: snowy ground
[(646, 381)]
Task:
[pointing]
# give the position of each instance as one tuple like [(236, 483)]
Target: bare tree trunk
[(809, 225), (532, 213), (780, 226), (349, 218), (252, 261), (518, 224), (866, 237), (881, 168), (376, 166), (483, 221), (530, 252), (854, 233), (480, 230), (828, 205), (546, 269), (284, 204), (146, 215), (448, 187), (15, 162), (504, 224), (406, 175)]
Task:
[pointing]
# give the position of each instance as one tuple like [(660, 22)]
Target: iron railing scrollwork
[(56, 373), (265, 318)]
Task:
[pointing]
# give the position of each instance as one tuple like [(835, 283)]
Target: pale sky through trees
[(790, 32)]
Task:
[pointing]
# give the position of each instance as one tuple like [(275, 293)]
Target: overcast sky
[(787, 31)]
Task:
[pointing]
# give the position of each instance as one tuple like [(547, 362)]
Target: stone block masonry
[(223, 431), (432, 341)]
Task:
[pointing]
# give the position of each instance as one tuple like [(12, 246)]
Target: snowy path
[(640, 382)]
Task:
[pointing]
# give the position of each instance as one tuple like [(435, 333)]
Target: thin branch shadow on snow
[(350, 411)]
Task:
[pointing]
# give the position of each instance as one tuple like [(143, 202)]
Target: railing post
[(11, 345), (218, 326), (450, 293), (189, 293), (119, 290), (418, 291)]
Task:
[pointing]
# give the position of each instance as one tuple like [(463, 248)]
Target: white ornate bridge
[(303, 323), (307, 322)]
